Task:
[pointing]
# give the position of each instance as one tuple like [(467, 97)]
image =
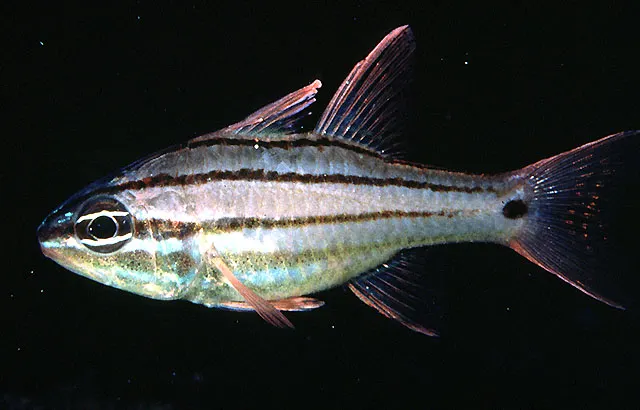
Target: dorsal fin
[(279, 117), (366, 107)]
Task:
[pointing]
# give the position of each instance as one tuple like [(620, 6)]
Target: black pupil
[(515, 209), (103, 227)]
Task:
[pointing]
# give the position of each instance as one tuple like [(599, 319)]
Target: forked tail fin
[(582, 217)]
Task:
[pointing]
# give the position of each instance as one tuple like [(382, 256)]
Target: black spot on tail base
[(515, 209)]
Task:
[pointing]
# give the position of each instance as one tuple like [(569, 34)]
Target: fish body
[(258, 216)]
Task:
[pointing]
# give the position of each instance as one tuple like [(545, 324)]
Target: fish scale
[(259, 216)]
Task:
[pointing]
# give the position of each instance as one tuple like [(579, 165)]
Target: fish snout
[(52, 231)]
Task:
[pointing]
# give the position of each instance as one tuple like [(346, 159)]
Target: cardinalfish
[(259, 215)]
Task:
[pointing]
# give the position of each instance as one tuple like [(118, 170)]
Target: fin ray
[(578, 199), (399, 293), (276, 119), (266, 310), (294, 304), (366, 107)]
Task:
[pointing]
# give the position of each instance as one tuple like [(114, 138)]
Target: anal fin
[(295, 304), (400, 290)]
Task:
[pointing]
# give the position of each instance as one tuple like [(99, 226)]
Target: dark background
[(86, 90)]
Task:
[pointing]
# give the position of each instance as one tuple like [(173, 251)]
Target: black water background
[(85, 90)]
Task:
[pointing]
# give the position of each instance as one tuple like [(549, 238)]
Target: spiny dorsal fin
[(279, 117), (366, 107), (401, 290)]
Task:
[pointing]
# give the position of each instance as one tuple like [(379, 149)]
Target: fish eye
[(104, 225)]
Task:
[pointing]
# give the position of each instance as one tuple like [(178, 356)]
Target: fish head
[(104, 237)]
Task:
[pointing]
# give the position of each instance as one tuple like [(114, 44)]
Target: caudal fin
[(582, 217)]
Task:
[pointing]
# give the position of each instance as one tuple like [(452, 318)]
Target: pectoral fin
[(265, 309)]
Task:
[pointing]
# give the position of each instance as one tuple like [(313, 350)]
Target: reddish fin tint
[(367, 108), (279, 117), (581, 201), (261, 306), (403, 290), (295, 304)]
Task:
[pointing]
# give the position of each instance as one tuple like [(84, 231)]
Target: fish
[(262, 215)]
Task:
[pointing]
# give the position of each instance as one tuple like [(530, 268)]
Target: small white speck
[(31, 271), (19, 348), (333, 327), (256, 146), (12, 296), (466, 63), (42, 43), (41, 290), (138, 18), (508, 309)]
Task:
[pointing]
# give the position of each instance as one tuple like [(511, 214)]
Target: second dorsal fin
[(367, 106)]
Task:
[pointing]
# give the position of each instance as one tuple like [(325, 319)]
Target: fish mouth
[(49, 253), (43, 231), (53, 236), (45, 234), (49, 233)]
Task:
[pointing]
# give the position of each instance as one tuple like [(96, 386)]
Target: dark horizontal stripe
[(299, 141), (287, 144), (103, 187), (164, 229), (165, 180)]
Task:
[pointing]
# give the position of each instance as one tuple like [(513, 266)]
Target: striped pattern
[(181, 230), (301, 154), (290, 215), (298, 214), (248, 175)]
